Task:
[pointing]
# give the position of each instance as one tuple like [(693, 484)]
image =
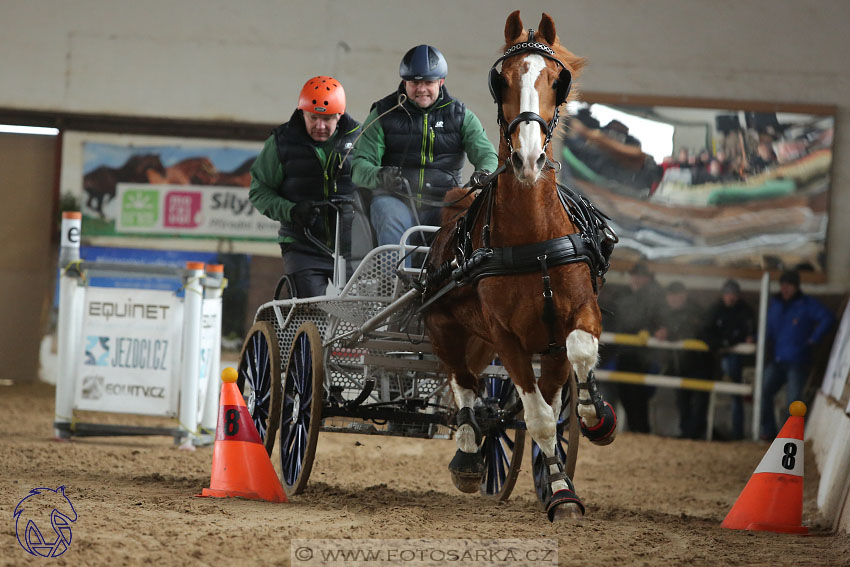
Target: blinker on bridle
[(562, 89)]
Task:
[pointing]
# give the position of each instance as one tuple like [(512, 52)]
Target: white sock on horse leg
[(465, 435), (540, 422), (583, 350)]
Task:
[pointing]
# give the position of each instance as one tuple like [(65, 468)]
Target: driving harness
[(592, 244)]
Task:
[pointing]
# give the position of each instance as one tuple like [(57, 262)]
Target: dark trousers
[(793, 376), (634, 397), (732, 366), (309, 271), (693, 413)]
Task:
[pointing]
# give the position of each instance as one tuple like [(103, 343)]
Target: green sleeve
[(479, 150), (266, 179), (368, 153)]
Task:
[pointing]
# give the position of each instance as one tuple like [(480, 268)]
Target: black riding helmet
[(423, 62)]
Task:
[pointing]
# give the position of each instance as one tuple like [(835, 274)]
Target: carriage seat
[(363, 237)]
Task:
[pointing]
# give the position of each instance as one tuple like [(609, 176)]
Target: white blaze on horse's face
[(529, 159)]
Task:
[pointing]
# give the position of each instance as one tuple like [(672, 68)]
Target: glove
[(304, 214), (477, 178), (389, 178)]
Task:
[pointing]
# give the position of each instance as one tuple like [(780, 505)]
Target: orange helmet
[(322, 95)]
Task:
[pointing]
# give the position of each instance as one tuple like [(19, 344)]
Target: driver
[(299, 165), (420, 133)]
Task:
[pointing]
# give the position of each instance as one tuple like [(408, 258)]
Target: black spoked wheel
[(301, 414), (566, 442), (259, 380), (502, 447)]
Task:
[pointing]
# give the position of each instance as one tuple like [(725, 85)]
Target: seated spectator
[(764, 159)]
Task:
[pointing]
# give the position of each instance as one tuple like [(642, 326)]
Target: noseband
[(562, 89)]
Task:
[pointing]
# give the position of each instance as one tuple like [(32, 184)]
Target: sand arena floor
[(650, 500)]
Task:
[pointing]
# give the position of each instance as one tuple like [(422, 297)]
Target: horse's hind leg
[(598, 420)]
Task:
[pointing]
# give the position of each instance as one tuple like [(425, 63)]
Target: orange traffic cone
[(241, 466), (772, 500)]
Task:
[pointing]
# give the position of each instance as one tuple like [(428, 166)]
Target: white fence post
[(214, 285), (764, 297), (190, 366), (70, 316)]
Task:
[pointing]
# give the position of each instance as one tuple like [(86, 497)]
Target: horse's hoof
[(467, 471), (604, 432), (565, 504), (566, 512), (468, 482)]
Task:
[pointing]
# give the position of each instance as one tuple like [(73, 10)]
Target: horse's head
[(535, 79)]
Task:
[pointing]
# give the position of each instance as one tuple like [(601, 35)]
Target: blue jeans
[(731, 366), (391, 217), (777, 374)]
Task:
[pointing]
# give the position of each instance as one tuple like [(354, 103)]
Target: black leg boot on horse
[(555, 507), (605, 430), (467, 468)]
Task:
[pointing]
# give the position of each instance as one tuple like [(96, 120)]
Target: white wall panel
[(219, 59)]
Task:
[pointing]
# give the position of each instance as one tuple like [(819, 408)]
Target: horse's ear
[(547, 29), (513, 28)]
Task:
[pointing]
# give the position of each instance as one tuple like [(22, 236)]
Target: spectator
[(764, 158), (731, 321), (682, 319), (796, 322), (637, 309)]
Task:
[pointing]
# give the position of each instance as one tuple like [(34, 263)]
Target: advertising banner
[(130, 352), (190, 210)]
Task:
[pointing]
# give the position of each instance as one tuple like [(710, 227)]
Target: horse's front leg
[(598, 420), (541, 422), (451, 343), (467, 466)]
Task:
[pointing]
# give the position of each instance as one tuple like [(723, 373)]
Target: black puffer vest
[(306, 178), (426, 143)]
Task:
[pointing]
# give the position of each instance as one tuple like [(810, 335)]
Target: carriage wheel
[(501, 448), (566, 442), (301, 414), (259, 380)]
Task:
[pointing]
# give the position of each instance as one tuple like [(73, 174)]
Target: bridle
[(497, 82)]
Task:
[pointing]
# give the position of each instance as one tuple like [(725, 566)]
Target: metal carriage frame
[(357, 361)]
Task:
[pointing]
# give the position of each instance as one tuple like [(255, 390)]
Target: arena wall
[(245, 61)]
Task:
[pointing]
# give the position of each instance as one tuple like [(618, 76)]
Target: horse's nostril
[(516, 160), (541, 161)]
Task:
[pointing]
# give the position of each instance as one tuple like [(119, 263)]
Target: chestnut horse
[(512, 314)]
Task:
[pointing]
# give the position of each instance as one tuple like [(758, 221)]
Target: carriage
[(358, 360)]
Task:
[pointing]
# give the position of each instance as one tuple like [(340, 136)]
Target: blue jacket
[(795, 326)]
